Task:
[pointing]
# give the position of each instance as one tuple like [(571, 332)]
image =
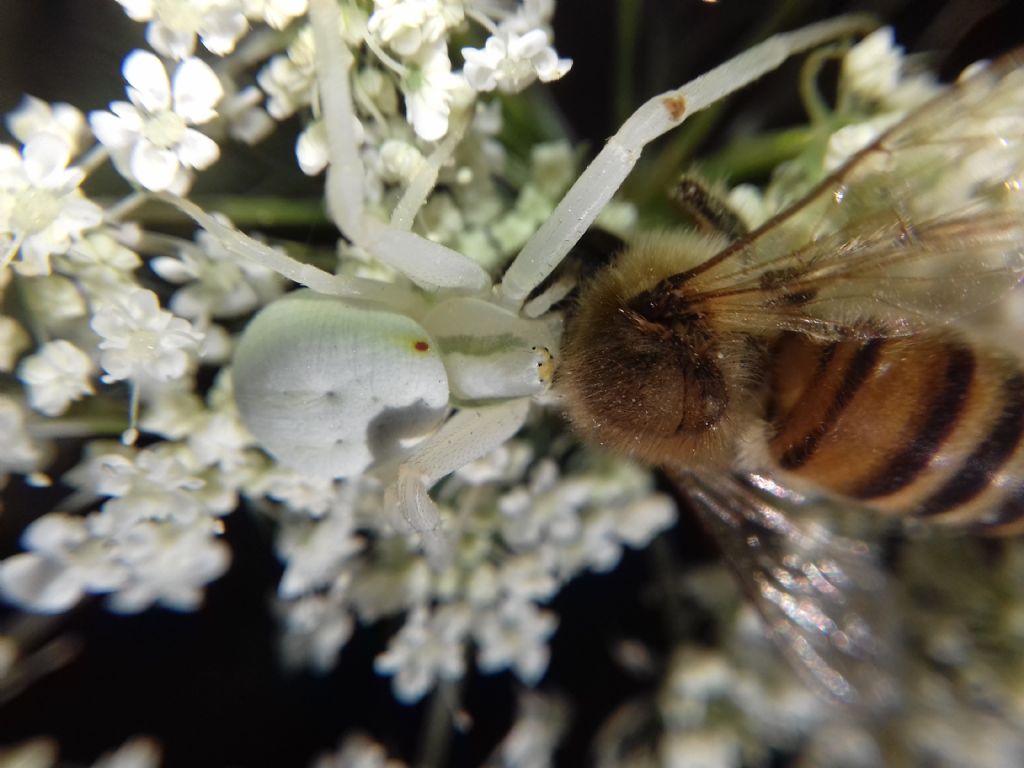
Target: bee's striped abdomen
[(928, 426)]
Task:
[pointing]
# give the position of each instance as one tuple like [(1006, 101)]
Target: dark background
[(207, 685)]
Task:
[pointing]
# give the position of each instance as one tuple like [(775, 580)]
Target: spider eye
[(330, 388)]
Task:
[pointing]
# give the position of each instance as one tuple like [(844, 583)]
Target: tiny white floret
[(150, 138), (141, 339), (41, 206), (174, 25), (510, 62), (56, 375), (872, 67)]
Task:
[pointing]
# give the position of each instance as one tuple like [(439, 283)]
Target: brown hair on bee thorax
[(645, 373)]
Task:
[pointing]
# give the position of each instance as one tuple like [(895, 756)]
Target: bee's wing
[(822, 596), (925, 223)]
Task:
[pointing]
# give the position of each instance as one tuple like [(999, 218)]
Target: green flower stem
[(627, 22), (245, 211), (755, 156), (814, 104), (266, 212), (78, 427), (94, 158), (18, 306), (255, 48), (443, 715), (39, 663), (97, 416), (119, 211), (530, 118)]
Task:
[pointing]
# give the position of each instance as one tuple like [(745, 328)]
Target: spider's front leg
[(430, 265), (495, 362), (605, 174), (465, 437)]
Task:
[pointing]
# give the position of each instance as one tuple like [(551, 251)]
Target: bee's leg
[(692, 197)]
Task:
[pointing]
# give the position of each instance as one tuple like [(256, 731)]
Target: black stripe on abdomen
[(1010, 512), (992, 452), (858, 371), (945, 409)]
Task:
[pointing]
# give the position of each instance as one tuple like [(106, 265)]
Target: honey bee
[(818, 359)]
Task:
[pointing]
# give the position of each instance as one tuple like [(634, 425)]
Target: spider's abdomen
[(330, 388)]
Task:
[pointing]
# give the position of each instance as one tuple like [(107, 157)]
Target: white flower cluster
[(408, 40), (153, 541), (85, 322), (138, 752), (959, 667), (526, 528), (357, 751)]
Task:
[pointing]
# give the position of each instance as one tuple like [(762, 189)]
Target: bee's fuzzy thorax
[(669, 390)]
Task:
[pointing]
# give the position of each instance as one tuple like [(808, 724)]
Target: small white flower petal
[(872, 67), (197, 150), (172, 270), (36, 116), (552, 68), (153, 167), (278, 13), (129, 113), (311, 149), (139, 752), (527, 46), (429, 119), (55, 376), (39, 584), (46, 158), (10, 163), (221, 31), (78, 214), (35, 256), (137, 10), (181, 184), (479, 72), (146, 75), (173, 43), (170, 365), (54, 533), (115, 130), (196, 90)]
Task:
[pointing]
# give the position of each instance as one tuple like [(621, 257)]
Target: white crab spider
[(362, 375)]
